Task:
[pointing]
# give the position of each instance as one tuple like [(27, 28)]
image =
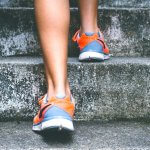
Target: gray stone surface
[(16, 3), (87, 135), (18, 32), (125, 3), (126, 31), (116, 89), (104, 3)]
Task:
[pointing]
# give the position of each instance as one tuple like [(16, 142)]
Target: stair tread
[(75, 8), (115, 3), (113, 60), (87, 135)]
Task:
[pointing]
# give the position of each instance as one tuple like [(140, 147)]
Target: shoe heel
[(59, 123)]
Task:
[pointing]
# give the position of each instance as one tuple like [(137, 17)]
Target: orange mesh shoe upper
[(84, 40), (64, 104)]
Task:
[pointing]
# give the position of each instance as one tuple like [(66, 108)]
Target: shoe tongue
[(89, 33), (60, 96), (45, 100)]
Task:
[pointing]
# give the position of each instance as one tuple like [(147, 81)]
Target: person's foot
[(55, 114), (92, 46)]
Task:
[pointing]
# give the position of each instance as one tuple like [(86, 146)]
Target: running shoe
[(55, 114), (92, 46)]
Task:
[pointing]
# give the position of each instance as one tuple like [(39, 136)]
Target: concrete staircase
[(118, 89)]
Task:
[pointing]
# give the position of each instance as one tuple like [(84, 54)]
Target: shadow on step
[(56, 136)]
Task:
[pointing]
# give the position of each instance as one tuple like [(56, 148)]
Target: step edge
[(76, 8), (74, 60)]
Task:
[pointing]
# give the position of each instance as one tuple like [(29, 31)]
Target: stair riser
[(127, 32), (110, 3), (106, 92)]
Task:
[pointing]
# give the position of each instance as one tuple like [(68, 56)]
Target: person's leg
[(50, 85), (56, 111), (89, 38), (53, 18), (88, 15)]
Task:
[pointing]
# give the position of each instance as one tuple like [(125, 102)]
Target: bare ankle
[(63, 93), (84, 30)]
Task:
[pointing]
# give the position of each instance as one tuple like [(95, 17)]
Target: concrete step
[(126, 3), (120, 3), (126, 31), (103, 3), (16, 3), (88, 135), (116, 89)]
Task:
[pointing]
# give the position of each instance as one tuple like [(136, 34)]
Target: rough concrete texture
[(120, 3), (126, 31), (18, 32), (104, 3), (116, 89), (125, 3), (16, 3), (87, 135)]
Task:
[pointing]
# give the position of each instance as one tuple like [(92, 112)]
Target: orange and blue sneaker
[(55, 114), (92, 46)]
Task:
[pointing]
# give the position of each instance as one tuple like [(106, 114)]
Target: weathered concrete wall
[(127, 31), (18, 32), (116, 89)]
